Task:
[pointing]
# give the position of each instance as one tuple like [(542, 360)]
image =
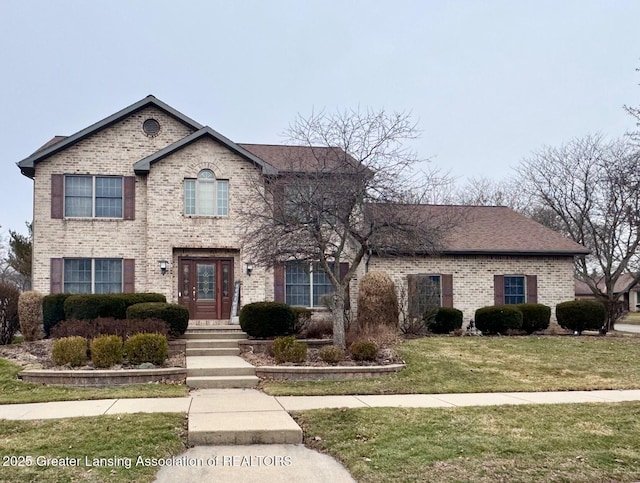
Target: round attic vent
[(151, 127)]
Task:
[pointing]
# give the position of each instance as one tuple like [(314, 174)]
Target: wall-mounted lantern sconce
[(163, 266), (249, 268)]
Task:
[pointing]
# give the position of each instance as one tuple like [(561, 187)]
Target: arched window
[(206, 195)]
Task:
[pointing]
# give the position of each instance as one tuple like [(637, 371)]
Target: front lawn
[(104, 448), (573, 442), (13, 391), (495, 364)]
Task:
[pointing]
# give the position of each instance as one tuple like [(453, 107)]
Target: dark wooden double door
[(205, 287)]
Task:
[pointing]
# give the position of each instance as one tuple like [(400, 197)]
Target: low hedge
[(498, 319), (53, 310), (108, 326), (175, 315), (92, 306), (579, 315), (535, 317), (267, 319), (446, 320)]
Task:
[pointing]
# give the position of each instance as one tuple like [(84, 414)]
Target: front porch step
[(261, 427), (221, 334), (212, 351), (212, 343), (218, 382)]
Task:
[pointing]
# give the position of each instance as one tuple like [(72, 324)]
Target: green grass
[(13, 391), (495, 364), (574, 443), (157, 435)]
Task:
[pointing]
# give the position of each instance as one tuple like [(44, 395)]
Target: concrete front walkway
[(246, 402)]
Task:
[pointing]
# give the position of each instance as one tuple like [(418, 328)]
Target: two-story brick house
[(148, 200)]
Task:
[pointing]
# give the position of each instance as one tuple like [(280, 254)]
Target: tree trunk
[(338, 319)]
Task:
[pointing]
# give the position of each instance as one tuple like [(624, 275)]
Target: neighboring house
[(626, 288), (148, 200)]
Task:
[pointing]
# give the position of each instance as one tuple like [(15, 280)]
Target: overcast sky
[(487, 81)]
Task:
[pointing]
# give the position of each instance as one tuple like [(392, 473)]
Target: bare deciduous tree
[(316, 208), (591, 187)]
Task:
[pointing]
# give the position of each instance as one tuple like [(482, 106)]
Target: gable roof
[(58, 143), (301, 159), (144, 165), (488, 230)]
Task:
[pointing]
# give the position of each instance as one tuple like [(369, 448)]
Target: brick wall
[(473, 276)]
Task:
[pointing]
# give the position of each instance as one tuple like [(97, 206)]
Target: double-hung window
[(92, 275), (306, 284), (206, 195), (93, 196), (514, 289), (425, 291)]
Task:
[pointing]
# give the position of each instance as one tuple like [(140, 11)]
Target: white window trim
[(93, 271), (311, 286), (215, 181), (504, 287), (93, 197)]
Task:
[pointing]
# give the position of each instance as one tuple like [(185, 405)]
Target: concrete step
[(259, 427), (221, 371), (203, 334), (215, 351), (211, 343), (213, 382)]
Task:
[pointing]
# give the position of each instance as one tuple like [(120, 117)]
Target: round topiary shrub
[(175, 315), (106, 351), (447, 320), (267, 319), (498, 319), (535, 317), (141, 348), (579, 315), (30, 315), (377, 302), (288, 349), (364, 350), (69, 351), (331, 354)]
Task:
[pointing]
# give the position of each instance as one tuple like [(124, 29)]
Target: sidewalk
[(210, 398)]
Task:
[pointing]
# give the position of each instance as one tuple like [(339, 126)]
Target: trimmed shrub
[(92, 306), (69, 351), (109, 326), (267, 319), (331, 354), (141, 348), (53, 310), (535, 317), (579, 315), (175, 315), (30, 315), (302, 318), (377, 302), (106, 351), (364, 350), (140, 298), (498, 319), (288, 349), (9, 295), (446, 320)]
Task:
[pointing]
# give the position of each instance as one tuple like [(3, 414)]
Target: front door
[(205, 287)]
